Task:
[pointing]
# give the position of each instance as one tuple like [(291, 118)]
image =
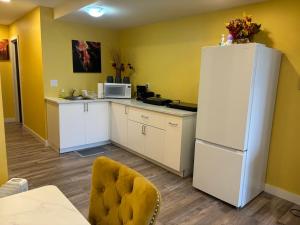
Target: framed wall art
[(86, 56), (4, 49)]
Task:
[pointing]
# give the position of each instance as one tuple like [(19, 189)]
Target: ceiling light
[(95, 11), (5, 0)]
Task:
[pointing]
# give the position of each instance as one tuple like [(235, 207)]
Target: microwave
[(114, 90)]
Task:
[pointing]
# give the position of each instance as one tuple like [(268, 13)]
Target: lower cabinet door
[(172, 152), (136, 137), (219, 172), (72, 125), (119, 120), (154, 143), (97, 122)]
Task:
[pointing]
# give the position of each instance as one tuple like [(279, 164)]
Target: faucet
[(73, 92)]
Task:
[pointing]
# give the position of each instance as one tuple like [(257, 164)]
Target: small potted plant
[(243, 29)]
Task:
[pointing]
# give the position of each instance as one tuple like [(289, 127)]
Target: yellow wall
[(7, 80), (3, 162), (57, 53), (46, 54), (28, 30), (167, 55)]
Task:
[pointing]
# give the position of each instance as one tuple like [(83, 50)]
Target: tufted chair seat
[(121, 196)]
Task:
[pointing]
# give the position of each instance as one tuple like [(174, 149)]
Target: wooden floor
[(181, 203)]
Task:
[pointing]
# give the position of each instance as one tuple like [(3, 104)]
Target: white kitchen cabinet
[(164, 136), (136, 138), (118, 129), (154, 143), (168, 140), (77, 125), (172, 153), (97, 122), (146, 140), (71, 125)]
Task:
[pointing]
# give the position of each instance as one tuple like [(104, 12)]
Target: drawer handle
[(144, 130), (173, 124), (145, 117)]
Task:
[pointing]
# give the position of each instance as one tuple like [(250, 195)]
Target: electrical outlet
[(53, 83)]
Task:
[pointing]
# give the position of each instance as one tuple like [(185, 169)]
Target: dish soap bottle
[(62, 93), (222, 43)]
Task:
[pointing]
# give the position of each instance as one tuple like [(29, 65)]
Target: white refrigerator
[(237, 93)]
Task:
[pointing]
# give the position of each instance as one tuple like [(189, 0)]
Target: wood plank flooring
[(181, 203)]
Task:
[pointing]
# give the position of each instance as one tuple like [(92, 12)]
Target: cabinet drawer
[(147, 117), (173, 122)]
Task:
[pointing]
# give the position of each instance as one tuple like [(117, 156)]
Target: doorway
[(17, 80)]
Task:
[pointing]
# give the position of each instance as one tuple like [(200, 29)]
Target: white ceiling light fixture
[(94, 10), (5, 1)]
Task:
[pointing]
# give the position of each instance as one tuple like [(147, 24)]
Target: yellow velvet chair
[(121, 196)]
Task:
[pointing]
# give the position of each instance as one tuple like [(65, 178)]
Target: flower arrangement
[(117, 62), (243, 29), (120, 67), (130, 69)]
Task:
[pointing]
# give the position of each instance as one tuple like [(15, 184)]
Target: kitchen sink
[(75, 98)]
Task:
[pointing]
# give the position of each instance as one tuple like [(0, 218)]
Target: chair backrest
[(121, 196)]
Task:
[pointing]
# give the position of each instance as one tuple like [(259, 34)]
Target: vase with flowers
[(129, 70), (120, 67), (243, 29), (117, 65)]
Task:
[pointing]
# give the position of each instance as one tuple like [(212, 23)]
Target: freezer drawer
[(219, 171)]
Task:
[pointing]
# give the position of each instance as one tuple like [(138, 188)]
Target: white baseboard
[(9, 120), (76, 148), (36, 135), (282, 194), (81, 147)]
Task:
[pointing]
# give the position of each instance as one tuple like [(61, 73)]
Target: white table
[(42, 206)]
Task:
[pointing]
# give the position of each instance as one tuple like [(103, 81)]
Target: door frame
[(19, 113)]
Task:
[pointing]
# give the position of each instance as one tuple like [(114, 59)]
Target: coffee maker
[(143, 93)]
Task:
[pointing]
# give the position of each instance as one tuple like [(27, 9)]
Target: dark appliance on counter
[(183, 106), (143, 93), (157, 101)]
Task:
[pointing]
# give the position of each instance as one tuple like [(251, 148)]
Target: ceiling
[(9, 12), (118, 13)]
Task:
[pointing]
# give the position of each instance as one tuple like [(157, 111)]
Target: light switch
[(53, 83)]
